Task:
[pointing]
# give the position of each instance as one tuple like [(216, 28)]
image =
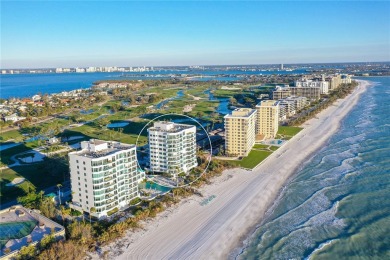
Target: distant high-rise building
[(281, 66), (267, 122), (322, 84), (172, 147), (240, 131)]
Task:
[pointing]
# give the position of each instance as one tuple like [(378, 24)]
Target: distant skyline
[(81, 34)]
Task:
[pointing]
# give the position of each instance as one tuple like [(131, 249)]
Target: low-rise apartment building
[(172, 148), (313, 93), (322, 84), (104, 176), (240, 131), (281, 92)]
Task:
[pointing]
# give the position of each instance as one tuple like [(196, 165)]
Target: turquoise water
[(338, 205), (27, 85), (155, 186)]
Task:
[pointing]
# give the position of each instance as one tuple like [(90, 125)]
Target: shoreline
[(222, 228), (240, 249)]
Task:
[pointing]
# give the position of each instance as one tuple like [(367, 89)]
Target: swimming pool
[(154, 186)]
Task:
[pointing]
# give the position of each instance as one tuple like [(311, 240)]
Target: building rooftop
[(241, 112), (21, 227), (99, 148), (169, 127), (267, 103)]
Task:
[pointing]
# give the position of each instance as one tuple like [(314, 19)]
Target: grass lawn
[(226, 93), (37, 175), (260, 146), (289, 130), (253, 159), (6, 154), (13, 134)]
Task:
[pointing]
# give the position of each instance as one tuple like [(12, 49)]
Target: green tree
[(92, 210), (32, 199), (48, 208), (27, 252)]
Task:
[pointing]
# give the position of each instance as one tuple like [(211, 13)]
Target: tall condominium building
[(308, 92), (104, 176), (240, 131), (267, 118), (172, 147), (336, 80)]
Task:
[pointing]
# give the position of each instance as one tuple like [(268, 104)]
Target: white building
[(104, 176), (172, 147), (36, 98), (289, 106), (14, 118), (322, 84)]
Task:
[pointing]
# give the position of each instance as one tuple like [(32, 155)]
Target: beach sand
[(215, 230)]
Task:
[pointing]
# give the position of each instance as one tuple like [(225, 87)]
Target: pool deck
[(21, 214)]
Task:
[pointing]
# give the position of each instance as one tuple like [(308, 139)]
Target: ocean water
[(27, 85), (337, 206)]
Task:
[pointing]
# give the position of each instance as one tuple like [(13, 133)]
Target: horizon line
[(204, 65)]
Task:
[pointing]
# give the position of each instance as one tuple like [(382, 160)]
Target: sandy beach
[(192, 231)]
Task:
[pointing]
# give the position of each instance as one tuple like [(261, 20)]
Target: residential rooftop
[(99, 148), (241, 112), (169, 127)]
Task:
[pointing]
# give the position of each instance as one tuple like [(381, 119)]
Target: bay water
[(337, 206)]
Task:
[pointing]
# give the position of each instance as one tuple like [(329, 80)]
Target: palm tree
[(59, 194), (91, 210)]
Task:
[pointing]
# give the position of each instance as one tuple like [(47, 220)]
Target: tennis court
[(15, 230)]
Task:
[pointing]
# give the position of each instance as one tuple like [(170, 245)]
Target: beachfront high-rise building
[(322, 84), (240, 131), (267, 122), (172, 147), (104, 176)]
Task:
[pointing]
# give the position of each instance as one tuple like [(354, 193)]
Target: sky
[(41, 34)]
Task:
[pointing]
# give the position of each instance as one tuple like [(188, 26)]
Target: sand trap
[(15, 182)]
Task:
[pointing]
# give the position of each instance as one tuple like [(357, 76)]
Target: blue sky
[(122, 33)]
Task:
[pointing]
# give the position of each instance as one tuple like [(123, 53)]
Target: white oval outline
[(196, 121)]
